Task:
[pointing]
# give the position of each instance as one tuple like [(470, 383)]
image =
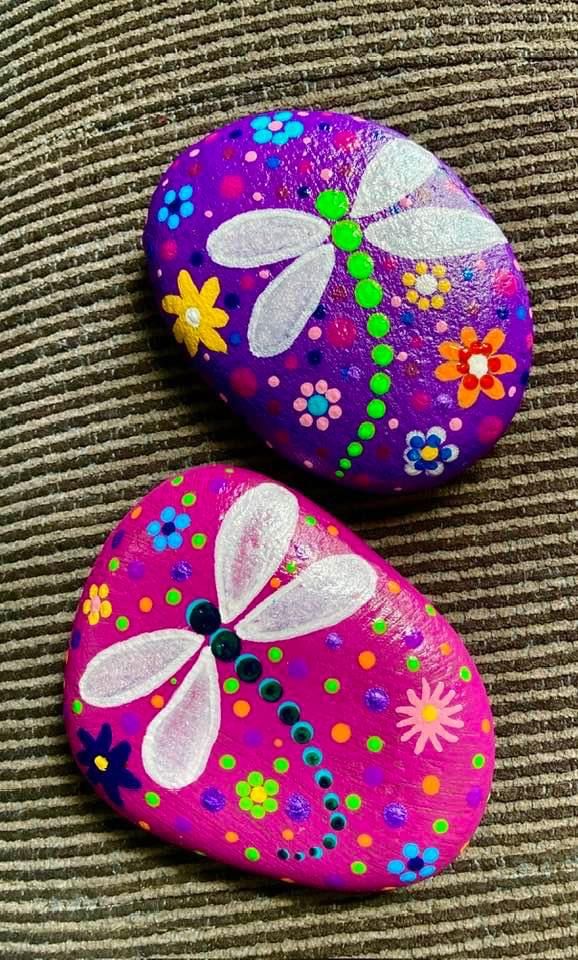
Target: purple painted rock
[(246, 678), (344, 291)]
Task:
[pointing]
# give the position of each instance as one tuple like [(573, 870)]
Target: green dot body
[(360, 265), (347, 235), (376, 409), (332, 204), (378, 325), (380, 384), (382, 354), (368, 293)]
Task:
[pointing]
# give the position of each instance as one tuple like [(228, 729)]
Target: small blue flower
[(416, 864), (177, 206), (427, 453), (106, 765), (166, 531), (277, 129)]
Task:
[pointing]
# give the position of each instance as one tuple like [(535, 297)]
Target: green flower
[(256, 795)]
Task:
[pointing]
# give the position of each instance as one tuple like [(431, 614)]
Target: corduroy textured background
[(96, 407)]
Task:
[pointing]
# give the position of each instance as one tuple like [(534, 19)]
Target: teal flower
[(277, 129)]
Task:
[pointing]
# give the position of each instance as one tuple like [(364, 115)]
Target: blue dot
[(502, 313), (235, 134), (273, 162), (314, 357), (181, 571), (170, 196), (197, 258), (395, 815), (294, 129), (117, 539), (333, 641), (173, 221), (168, 514), (75, 639), (298, 808), (174, 540), (186, 209), (468, 273), (262, 136), (283, 115), (235, 339), (232, 301), (319, 312), (317, 405), (186, 192), (160, 543), (182, 521), (259, 123), (376, 699), (153, 528), (162, 214), (521, 313), (417, 443), (213, 800), (280, 138), (407, 317)]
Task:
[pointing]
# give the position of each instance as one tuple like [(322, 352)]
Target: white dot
[(273, 381), (250, 156), (257, 196), (194, 153), (308, 464), (208, 214), (512, 392)]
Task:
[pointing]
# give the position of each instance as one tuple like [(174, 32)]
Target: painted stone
[(248, 679), (343, 290)]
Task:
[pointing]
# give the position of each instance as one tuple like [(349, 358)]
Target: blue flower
[(166, 531), (415, 864), (427, 453), (176, 206), (106, 765), (277, 129)]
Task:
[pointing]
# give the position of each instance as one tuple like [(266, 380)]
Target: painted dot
[(250, 156), (332, 531), (430, 785), (382, 354), (360, 265), (231, 685), (227, 761), (231, 186), (188, 499), (332, 685), (380, 383), (152, 798), (445, 649), (355, 449), (374, 744), (288, 834), (379, 626), (231, 836), (465, 674), (157, 701), (456, 423), (298, 808), (281, 764), (366, 430), (430, 610), (173, 596), (474, 797), (135, 514), (252, 854), (145, 604), (413, 664), (393, 424), (310, 521), (340, 732), (353, 801), (347, 235), (332, 204), (314, 333), (136, 569), (358, 867), (244, 382), (122, 624), (177, 480), (365, 840), (366, 660), (113, 564), (378, 325), (373, 776), (213, 800), (368, 293), (341, 332), (486, 726), (376, 699), (395, 815), (275, 654), (478, 761), (198, 540), (413, 639), (241, 708), (143, 825), (490, 428), (440, 825), (77, 707), (376, 409)]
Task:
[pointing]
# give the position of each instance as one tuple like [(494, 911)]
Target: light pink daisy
[(318, 404), (429, 716)]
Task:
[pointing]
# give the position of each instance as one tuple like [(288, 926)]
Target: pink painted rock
[(344, 292), (248, 679)]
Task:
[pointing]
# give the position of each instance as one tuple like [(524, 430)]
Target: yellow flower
[(97, 605), (196, 313), (426, 287)]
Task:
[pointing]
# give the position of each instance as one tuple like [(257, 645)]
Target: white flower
[(426, 453)]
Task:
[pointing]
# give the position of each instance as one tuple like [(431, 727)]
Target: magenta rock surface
[(248, 679), (344, 291)]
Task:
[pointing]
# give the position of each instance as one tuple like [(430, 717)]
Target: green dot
[(77, 706), (252, 854), (376, 409), (275, 654), (382, 354), (227, 762), (368, 293), (374, 744), (345, 464), (255, 778), (231, 685), (366, 430), (378, 325), (465, 674), (332, 204), (478, 761), (281, 764), (332, 685), (245, 803), (355, 449), (257, 813), (122, 623), (188, 499), (412, 664), (441, 826), (173, 596), (113, 564), (353, 801), (311, 521), (198, 540), (152, 798), (379, 626), (358, 867), (430, 610), (176, 481), (347, 235), (291, 566), (360, 265), (380, 383), (339, 473), (173, 681)]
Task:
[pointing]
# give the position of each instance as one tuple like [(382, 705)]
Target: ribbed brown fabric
[(96, 407)]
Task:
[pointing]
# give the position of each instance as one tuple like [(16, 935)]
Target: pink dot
[(405, 202), (456, 423), (322, 423), (264, 274), (326, 174), (306, 420), (275, 125), (441, 326), (314, 333), (304, 166), (512, 392), (490, 429), (420, 401), (291, 362), (396, 301), (168, 250), (159, 272), (393, 424), (231, 186), (402, 355), (341, 332), (194, 153), (273, 381), (244, 382), (206, 357), (165, 181), (258, 197), (307, 389), (208, 214), (250, 156), (247, 282), (308, 464)]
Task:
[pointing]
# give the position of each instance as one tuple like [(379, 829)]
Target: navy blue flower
[(106, 765)]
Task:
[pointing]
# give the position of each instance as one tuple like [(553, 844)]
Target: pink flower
[(318, 403), (428, 717)]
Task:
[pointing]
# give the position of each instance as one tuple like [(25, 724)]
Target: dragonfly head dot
[(203, 617)]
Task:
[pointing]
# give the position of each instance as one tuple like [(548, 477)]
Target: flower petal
[(447, 371), (398, 169), (496, 389), (179, 740), (507, 363), (212, 339), (449, 350), (285, 305), (187, 289), (434, 232), (265, 236), (132, 668), (253, 539), (467, 398), (327, 592), (468, 336), (495, 337), (210, 290)]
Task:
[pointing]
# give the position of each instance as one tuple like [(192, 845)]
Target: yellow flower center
[(101, 762), (426, 284), (258, 794), (429, 453), (429, 713), (478, 365), (193, 317)]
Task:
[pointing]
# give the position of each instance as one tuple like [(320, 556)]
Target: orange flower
[(476, 363)]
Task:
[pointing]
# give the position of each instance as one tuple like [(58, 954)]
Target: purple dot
[(136, 569), (413, 639), (117, 539), (181, 571), (75, 639), (376, 699), (333, 641), (373, 776), (395, 815), (253, 738), (298, 669), (213, 800), (474, 797), (130, 723), (218, 485), (182, 825), (298, 808), (334, 880)]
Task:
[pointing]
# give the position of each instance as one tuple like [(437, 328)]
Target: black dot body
[(203, 617), (225, 645)]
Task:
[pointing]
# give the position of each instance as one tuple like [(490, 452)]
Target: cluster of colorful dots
[(347, 235)]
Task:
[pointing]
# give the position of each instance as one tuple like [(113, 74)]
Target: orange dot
[(145, 604), (340, 732), (241, 708), (431, 785), (366, 660), (332, 531), (287, 834), (486, 726), (157, 701), (393, 586), (135, 514), (144, 825), (364, 840), (277, 742), (275, 583), (231, 836), (445, 649)]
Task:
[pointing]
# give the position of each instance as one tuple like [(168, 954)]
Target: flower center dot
[(101, 762), (478, 365), (317, 405), (426, 284), (429, 713), (429, 453), (258, 794), (193, 317)]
